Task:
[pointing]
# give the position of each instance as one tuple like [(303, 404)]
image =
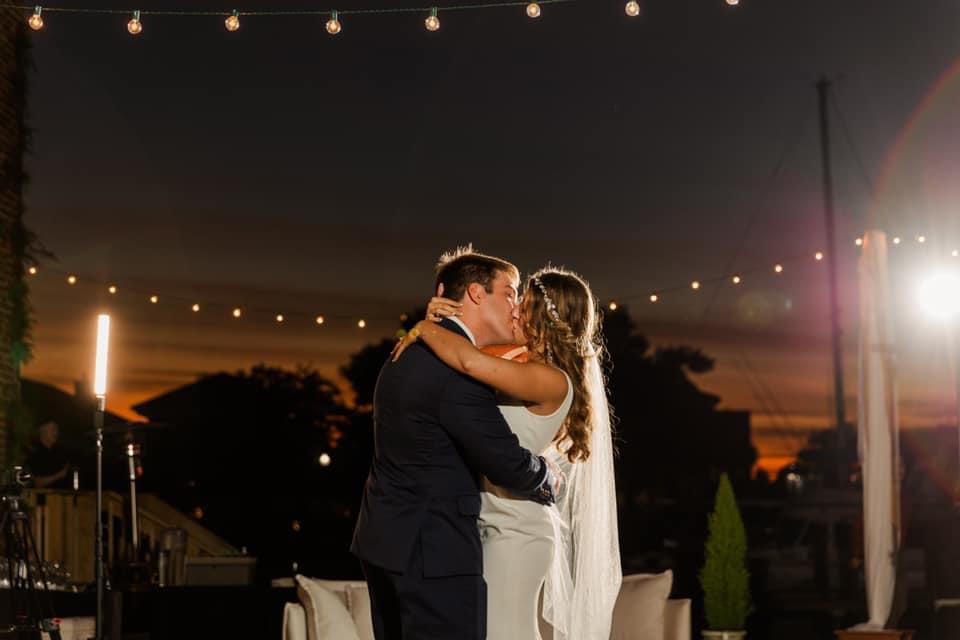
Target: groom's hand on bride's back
[(546, 491), (558, 478)]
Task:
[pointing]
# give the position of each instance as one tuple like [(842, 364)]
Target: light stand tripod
[(100, 391), (32, 611), (98, 553), (133, 455), (134, 572)]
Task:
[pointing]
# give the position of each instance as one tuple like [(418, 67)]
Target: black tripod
[(30, 608)]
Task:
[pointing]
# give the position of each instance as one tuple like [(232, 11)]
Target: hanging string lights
[(135, 27), (36, 20), (113, 288), (433, 20), (333, 24), (232, 23)]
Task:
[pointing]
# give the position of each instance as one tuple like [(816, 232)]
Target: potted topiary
[(724, 577)]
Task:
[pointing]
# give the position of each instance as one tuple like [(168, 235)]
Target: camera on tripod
[(14, 480), (30, 605)]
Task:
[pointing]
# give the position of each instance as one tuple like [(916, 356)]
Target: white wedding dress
[(518, 535), (569, 551)]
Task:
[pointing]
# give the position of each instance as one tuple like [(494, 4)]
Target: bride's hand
[(439, 308), (408, 339)]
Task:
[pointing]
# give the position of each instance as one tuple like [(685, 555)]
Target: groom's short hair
[(457, 269)]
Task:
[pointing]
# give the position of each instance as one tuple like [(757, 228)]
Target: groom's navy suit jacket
[(435, 431)]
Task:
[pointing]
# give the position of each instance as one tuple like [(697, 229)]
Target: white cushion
[(677, 620), (294, 622), (639, 612), (327, 614), (358, 600)]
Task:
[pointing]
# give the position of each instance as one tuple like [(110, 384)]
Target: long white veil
[(582, 584)]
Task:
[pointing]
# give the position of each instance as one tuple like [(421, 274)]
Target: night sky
[(284, 170)]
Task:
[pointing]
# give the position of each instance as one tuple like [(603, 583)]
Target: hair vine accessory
[(551, 307)]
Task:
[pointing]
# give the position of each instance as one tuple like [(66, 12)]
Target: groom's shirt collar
[(465, 328)]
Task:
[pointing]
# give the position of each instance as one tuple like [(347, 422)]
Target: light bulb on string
[(362, 324), (632, 8), (533, 10), (613, 305), (154, 299), (333, 24), (279, 317), (695, 285), (921, 239), (72, 279), (733, 3), (654, 297), (135, 27), (433, 20), (237, 312), (195, 308), (232, 23), (735, 279), (858, 242), (896, 240), (36, 20), (818, 256), (778, 268), (112, 289), (320, 320), (32, 271)]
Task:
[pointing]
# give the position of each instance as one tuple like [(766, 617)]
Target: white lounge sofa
[(340, 610)]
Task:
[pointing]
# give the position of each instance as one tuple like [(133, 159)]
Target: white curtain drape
[(877, 432)]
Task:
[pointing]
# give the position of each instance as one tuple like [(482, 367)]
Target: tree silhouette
[(363, 367), (248, 450), (673, 441)]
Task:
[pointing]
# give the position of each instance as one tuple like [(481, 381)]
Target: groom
[(435, 432)]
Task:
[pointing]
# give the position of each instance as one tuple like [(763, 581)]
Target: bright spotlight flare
[(939, 294), (103, 346)]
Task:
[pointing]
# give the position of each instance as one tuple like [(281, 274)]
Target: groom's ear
[(475, 292)]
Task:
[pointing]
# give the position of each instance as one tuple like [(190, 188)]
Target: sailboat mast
[(823, 89)]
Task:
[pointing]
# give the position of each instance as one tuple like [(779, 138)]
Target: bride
[(569, 552)]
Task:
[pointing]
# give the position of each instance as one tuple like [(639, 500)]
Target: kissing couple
[(490, 501)]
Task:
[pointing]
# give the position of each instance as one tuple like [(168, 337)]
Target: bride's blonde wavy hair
[(563, 328)]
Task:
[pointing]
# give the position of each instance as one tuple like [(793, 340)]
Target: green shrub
[(724, 577)]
